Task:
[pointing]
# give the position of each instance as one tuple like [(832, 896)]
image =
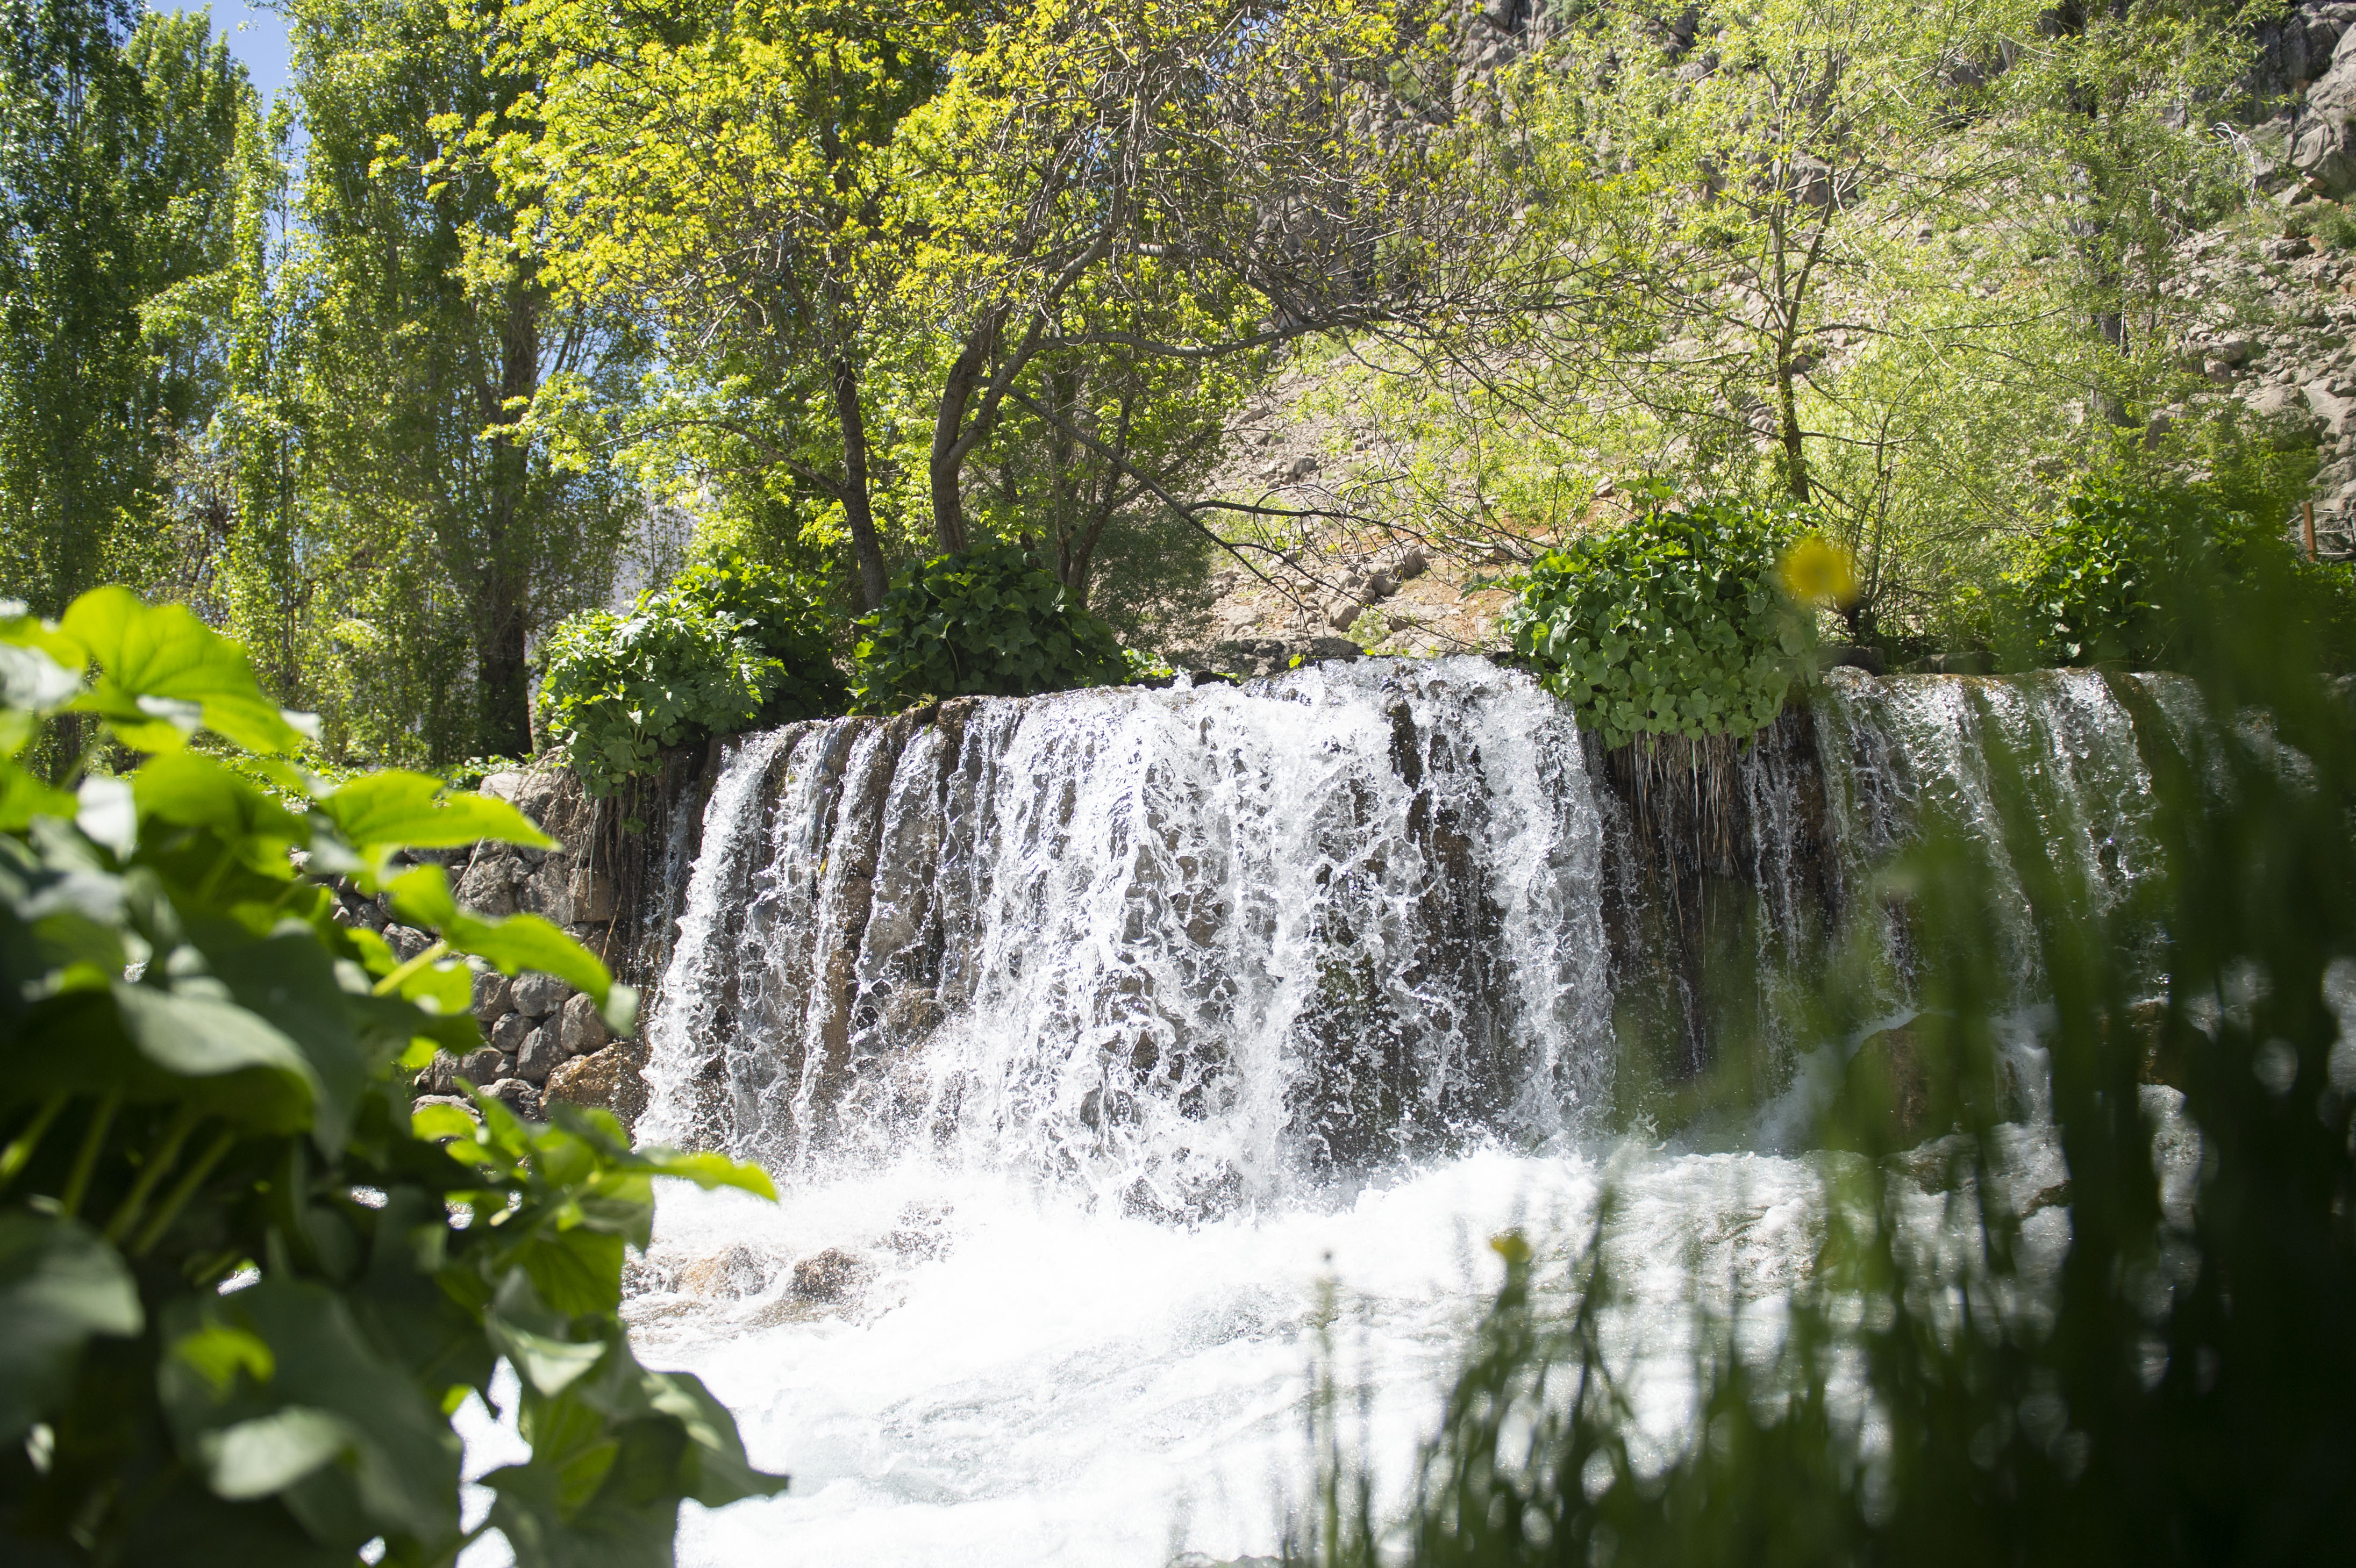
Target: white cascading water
[(1116, 1051)]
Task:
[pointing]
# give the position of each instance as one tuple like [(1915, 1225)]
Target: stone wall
[(612, 883)]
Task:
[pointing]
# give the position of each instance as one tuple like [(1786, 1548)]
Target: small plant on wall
[(1679, 624)]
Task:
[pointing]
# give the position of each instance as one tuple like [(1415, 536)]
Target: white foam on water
[(1059, 1385)]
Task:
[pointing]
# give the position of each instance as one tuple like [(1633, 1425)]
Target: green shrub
[(724, 648), (244, 1288), (2112, 583), (984, 622), (1672, 625), (2326, 220)]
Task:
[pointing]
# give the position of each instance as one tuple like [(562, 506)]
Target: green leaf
[(270, 1453), (378, 812), (514, 943), (203, 1037), (163, 672), (59, 1284)]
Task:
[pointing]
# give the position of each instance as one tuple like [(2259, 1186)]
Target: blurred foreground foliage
[(244, 1289), (2169, 1382)]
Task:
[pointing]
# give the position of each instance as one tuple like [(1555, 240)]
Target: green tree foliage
[(117, 187), (1903, 261), (2161, 1379), (726, 647), (1672, 625), (246, 1289), (728, 165), (423, 534), (988, 622)]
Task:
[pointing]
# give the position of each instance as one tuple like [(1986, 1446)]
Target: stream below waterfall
[(1120, 1056)]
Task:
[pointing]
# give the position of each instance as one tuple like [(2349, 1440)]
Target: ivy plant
[(726, 647), (1672, 625), (244, 1288), (982, 622)]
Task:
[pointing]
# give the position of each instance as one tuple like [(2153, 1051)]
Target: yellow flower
[(1817, 572)]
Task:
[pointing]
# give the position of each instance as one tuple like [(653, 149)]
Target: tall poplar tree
[(453, 535), (117, 137)]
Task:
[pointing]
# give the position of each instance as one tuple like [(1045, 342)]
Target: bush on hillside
[(2114, 581), (986, 622), (724, 648), (1671, 625), (245, 1284)]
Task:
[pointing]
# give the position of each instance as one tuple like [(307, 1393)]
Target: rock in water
[(727, 1275), (830, 1275)]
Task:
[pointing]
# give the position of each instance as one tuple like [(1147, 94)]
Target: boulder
[(508, 1034), (480, 1067), (518, 1096), (540, 995), (579, 1028), (539, 1055), (729, 1274), (1412, 563), (830, 1275), (1885, 1093), (493, 994), (605, 1080)]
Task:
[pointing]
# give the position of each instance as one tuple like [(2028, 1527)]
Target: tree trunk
[(503, 620), (949, 438), (857, 509), (1795, 456)]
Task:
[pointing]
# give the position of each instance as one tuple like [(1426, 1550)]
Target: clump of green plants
[(1673, 624), (244, 1286), (726, 647), (2328, 221), (987, 622), (2157, 1376), (2121, 577)]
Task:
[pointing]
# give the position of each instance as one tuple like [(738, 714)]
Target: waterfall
[(1179, 945), (1899, 747), (1343, 970)]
